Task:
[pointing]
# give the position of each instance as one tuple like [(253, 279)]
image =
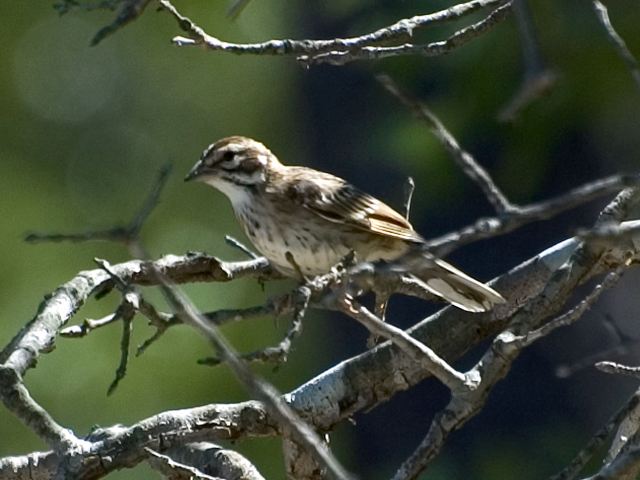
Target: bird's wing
[(337, 201)]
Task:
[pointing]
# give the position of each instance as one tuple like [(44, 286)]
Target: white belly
[(314, 254), (315, 243)]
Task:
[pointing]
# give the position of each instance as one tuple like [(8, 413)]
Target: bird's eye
[(227, 156)]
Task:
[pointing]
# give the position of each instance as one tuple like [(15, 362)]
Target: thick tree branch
[(494, 366), (203, 460), (541, 298), (357, 384)]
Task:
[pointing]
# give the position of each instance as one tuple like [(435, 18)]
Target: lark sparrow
[(319, 219)]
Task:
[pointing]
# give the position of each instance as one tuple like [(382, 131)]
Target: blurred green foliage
[(85, 130)]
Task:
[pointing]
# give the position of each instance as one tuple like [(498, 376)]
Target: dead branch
[(343, 50)]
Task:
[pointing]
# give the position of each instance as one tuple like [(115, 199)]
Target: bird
[(305, 221)]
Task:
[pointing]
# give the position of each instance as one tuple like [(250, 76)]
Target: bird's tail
[(456, 287)]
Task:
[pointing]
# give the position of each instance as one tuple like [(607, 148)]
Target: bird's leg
[(381, 301), (292, 261)]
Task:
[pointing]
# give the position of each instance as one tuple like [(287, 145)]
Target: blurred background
[(84, 131)]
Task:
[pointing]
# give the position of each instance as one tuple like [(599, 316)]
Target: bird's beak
[(195, 172)]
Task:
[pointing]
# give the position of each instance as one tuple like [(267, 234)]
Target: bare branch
[(88, 325), (618, 42), (462, 158), (127, 309), (571, 471), (17, 399), (576, 312), (494, 365), (527, 325), (298, 302), (412, 347), (161, 321), (240, 246), (618, 369), (131, 10), (119, 234), (531, 89), (39, 335), (610, 231), (342, 50), (538, 79), (213, 460), (624, 467), (125, 342), (177, 470), (491, 227), (357, 384), (566, 370), (433, 49), (262, 390), (626, 437), (124, 447)]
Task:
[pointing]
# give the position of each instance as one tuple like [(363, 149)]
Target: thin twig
[(577, 464), (240, 246), (619, 369), (237, 7), (490, 227), (180, 468), (131, 10), (538, 79), (278, 354), (88, 325), (163, 321), (609, 231), (569, 369), (409, 188), (118, 234), (618, 42), (151, 202), (576, 312), (462, 158), (126, 311), (160, 320), (439, 368), (125, 343)]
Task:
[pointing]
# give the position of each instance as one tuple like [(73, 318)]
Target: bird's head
[(233, 165)]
